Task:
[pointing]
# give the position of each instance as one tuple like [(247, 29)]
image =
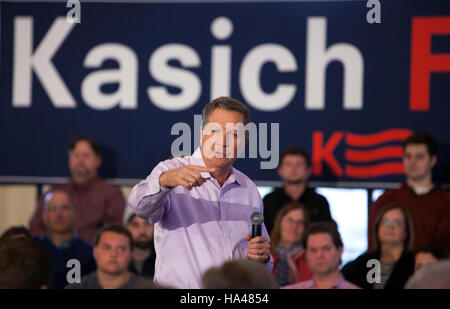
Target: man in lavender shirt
[(201, 205), (323, 253)]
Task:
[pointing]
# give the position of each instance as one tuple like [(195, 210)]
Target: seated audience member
[(393, 238), (324, 247), (23, 265), (95, 201), (428, 254), (16, 232), (428, 205), (143, 254), (60, 241), (112, 252), (239, 274), (436, 276), (287, 250), (294, 169)]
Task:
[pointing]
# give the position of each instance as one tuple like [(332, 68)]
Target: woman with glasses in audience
[(290, 265), (391, 262)]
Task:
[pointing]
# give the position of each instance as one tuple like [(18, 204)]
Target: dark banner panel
[(322, 75)]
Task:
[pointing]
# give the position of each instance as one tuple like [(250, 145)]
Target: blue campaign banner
[(347, 80)]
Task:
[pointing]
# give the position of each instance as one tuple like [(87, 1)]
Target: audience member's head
[(290, 224), (419, 156), (84, 159), (429, 254), (295, 165), (57, 214), (140, 229), (324, 247), (393, 227), (112, 249), (23, 265), (436, 276), (239, 274), (16, 232)]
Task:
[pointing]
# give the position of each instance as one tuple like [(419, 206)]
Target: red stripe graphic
[(374, 170), (374, 154), (365, 140)]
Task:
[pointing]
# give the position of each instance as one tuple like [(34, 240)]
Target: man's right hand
[(187, 176)]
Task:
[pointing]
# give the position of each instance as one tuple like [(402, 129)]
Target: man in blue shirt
[(60, 241)]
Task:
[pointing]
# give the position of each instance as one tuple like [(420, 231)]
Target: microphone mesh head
[(257, 218)]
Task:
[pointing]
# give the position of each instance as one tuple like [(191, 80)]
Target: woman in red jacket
[(287, 250)]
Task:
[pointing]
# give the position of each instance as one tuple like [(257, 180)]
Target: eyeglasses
[(62, 207), (292, 221), (393, 223)]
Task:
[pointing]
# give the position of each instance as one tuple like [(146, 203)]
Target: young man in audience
[(294, 169), (324, 247), (60, 242), (143, 255), (95, 201), (112, 252), (428, 205)]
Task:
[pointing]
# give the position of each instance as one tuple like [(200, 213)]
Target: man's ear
[(95, 253), (433, 161), (99, 161)]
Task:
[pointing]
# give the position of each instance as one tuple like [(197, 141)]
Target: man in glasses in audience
[(60, 240)]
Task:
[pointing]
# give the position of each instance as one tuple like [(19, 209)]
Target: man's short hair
[(16, 232), (328, 227), (437, 251), (116, 228), (225, 103), (422, 138), (49, 194), (90, 140), (239, 274), (23, 265), (296, 151)]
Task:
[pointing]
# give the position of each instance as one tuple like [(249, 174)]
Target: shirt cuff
[(155, 187)]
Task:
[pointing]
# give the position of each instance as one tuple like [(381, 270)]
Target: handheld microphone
[(257, 219)]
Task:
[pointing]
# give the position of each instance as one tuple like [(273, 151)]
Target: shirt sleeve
[(443, 230), (115, 206), (148, 199)]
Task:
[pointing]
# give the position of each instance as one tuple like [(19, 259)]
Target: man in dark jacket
[(294, 170)]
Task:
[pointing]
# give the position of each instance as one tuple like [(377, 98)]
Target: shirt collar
[(85, 185), (339, 282), (65, 244), (234, 176)]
